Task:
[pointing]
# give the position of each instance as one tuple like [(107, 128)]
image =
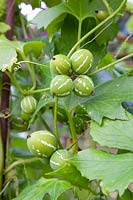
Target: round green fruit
[(61, 85), (60, 64), (101, 15), (42, 143), (83, 86), (81, 61), (28, 104), (59, 158), (25, 116), (18, 124)]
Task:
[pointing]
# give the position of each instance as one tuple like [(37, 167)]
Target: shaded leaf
[(107, 98), (51, 3), (114, 133), (115, 171), (34, 47), (126, 196), (43, 186)]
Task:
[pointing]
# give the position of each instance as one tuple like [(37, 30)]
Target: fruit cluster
[(65, 69), (44, 144)]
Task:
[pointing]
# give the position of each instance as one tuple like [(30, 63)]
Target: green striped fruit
[(18, 124), (60, 64), (81, 61), (61, 85), (28, 104), (25, 116), (101, 15), (83, 86), (59, 158), (42, 143)]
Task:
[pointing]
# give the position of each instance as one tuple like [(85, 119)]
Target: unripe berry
[(61, 85), (28, 104), (59, 158), (81, 61), (25, 116), (83, 86), (18, 124), (60, 64), (101, 15), (42, 143)]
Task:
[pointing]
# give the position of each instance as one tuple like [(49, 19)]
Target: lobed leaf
[(115, 171), (43, 186), (107, 98), (114, 133)]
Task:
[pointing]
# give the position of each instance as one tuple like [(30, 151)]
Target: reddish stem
[(5, 93)]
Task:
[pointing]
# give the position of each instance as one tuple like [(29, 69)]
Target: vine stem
[(111, 64), (79, 32), (55, 121), (37, 91), (72, 130), (19, 162), (32, 73), (14, 81), (109, 9), (31, 62), (23, 26), (96, 28)]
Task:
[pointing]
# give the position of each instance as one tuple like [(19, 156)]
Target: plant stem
[(72, 130), (111, 64), (109, 9), (31, 71), (23, 26), (2, 161), (37, 91), (55, 121), (34, 63), (14, 81), (96, 28), (79, 32), (5, 93), (19, 162)]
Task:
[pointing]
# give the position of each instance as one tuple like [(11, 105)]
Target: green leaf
[(114, 133), (34, 47), (45, 18), (4, 27), (69, 173), (107, 98), (8, 54), (43, 186), (51, 3), (126, 196), (115, 171)]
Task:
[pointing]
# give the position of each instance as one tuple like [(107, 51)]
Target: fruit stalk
[(31, 71), (113, 63), (72, 130), (55, 121)]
